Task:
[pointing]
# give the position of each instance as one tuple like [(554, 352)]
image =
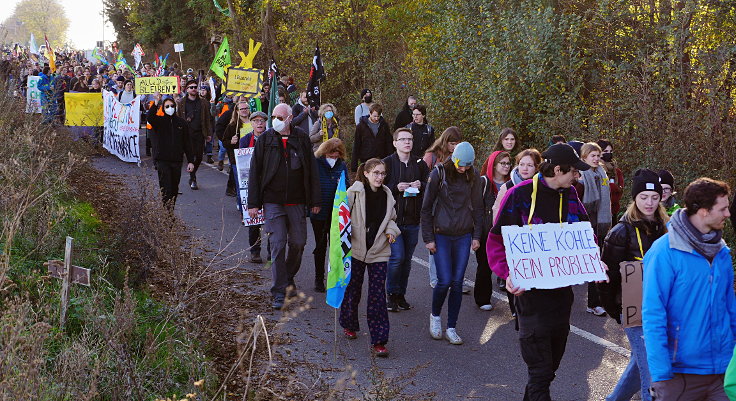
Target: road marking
[(574, 329)]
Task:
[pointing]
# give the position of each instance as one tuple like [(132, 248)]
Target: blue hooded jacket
[(689, 309)]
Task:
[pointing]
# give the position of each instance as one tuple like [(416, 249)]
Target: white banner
[(552, 255), (242, 163), (122, 125), (33, 95)]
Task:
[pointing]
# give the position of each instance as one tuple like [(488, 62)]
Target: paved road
[(487, 367)]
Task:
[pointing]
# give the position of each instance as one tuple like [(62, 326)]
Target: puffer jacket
[(688, 309), (621, 245), (453, 206), (381, 249)]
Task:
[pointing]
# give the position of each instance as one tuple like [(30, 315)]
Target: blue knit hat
[(464, 155)]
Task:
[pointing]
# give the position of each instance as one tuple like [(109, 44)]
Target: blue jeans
[(636, 375), (399, 264), (238, 201), (451, 259), (208, 146), (222, 152)]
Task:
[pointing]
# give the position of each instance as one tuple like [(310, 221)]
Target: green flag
[(222, 59)]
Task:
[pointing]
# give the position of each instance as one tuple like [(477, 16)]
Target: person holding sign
[(543, 314), (170, 139), (688, 301), (452, 222), (238, 128), (643, 222)]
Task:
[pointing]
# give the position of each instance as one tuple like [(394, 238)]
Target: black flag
[(316, 74)]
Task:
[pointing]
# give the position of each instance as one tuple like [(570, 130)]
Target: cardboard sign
[(79, 275), (162, 85), (178, 47), (33, 95), (242, 163), (83, 109), (552, 255), (244, 82), (632, 277)]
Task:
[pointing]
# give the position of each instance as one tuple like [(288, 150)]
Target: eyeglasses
[(378, 173), (405, 140), (191, 87), (505, 164), (667, 190)]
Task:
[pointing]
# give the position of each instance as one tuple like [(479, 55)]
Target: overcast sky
[(85, 21)]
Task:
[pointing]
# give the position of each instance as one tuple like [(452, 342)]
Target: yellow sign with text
[(162, 85), (83, 109), (244, 82)]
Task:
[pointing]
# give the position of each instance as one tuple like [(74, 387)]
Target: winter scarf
[(707, 245), (325, 129), (516, 176), (597, 198)]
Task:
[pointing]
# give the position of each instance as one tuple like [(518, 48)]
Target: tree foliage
[(38, 17)]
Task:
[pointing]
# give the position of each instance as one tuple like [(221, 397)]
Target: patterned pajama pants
[(377, 312)]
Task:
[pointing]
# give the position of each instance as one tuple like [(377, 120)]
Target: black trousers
[(169, 174), (198, 149), (254, 239), (321, 229), (483, 281), (542, 351)]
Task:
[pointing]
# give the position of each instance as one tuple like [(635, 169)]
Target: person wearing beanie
[(668, 191), (363, 109), (643, 222), (452, 223), (688, 301), (543, 315)]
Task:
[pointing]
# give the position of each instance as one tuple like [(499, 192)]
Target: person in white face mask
[(283, 180), (169, 140)]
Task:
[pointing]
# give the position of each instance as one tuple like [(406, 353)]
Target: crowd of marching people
[(410, 182)]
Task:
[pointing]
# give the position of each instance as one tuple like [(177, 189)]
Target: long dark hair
[(504, 133), (367, 166)]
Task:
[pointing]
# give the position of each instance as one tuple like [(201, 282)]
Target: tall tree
[(38, 17)]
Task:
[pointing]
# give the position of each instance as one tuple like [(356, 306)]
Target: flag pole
[(334, 345)]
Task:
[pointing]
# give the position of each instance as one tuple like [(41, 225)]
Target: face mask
[(331, 161), (170, 110), (329, 115), (278, 125), (368, 99), (607, 157), (412, 106)]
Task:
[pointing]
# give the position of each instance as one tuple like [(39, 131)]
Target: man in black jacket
[(283, 179), (169, 139), (196, 111), (372, 138), (404, 117), (406, 177)]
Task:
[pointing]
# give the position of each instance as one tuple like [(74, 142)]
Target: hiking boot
[(351, 335), (379, 350), (452, 337), (391, 304), (435, 326), (230, 192), (221, 165), (401, 301), (319, 285), (255, 258), (278, 303)]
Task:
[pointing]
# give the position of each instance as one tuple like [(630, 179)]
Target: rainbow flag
[(340, 251)]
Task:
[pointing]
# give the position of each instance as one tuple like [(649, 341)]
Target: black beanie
[(665, 177), (645, 180)]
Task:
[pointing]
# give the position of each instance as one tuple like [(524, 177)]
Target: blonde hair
[(329, 146), (235, 118), (633, 215), (324, 107), (588, 148)]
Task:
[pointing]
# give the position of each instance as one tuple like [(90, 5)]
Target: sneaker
[(193, 185), (209, 160), (435, 326), (291, 291), (379, 350), (351, 335), (230, 192), (278, 303), (452, 337), (256, 259), (598, 311), (466, 286), (486, 307), (319, 285), (391, 304), (221, 165), (501, 284), (403, 305)]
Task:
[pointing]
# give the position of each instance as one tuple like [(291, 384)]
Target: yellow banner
[(83, 109), (162, 85), (245, 82)]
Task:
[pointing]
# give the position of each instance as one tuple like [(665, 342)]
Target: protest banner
[(162, 85), (33, 95), (83, 109), (244, 82), (222, 59), (552, 255), (242, 163), (122, 123), (632, 277)]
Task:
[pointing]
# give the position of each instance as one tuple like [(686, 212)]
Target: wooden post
[(65, 277)]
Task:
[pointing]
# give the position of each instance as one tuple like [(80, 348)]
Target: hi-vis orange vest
[(160, 112)]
